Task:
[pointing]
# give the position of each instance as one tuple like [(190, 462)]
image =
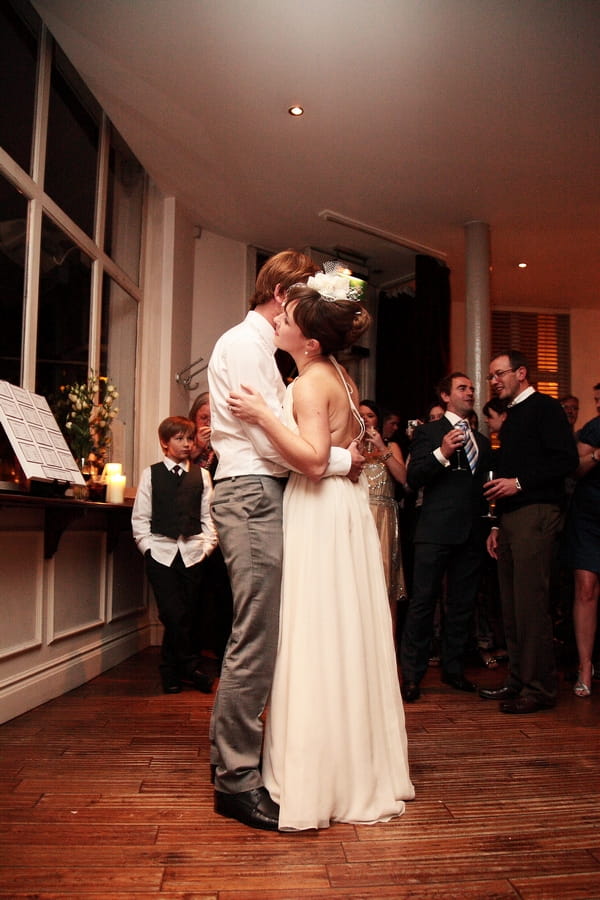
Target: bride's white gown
[(335, 741)]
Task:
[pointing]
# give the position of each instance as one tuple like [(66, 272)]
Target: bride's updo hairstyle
[(335, 324)]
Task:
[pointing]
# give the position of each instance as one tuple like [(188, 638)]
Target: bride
[(335, 742)]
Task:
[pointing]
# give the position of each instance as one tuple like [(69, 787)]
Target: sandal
[(582, 689)]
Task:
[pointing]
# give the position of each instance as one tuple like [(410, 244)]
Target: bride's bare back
[(322, 381)]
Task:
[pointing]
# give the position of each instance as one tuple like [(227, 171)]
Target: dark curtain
[(413, 341)]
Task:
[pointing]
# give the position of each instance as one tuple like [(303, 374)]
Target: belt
[(281, 478)]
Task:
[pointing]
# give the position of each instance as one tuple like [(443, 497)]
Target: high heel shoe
[(581, 689)]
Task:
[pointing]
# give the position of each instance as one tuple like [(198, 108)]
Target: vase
[(97, 489), (81, 491)]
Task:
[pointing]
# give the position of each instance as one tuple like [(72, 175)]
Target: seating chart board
[(35, 437)]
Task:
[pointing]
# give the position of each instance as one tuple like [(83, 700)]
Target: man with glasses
[(537, 452)]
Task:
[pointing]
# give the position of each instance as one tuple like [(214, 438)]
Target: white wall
[(165, 322), (182, 293), (70, 615), (220, 294)]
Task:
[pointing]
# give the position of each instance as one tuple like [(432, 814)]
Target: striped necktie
[(470, 447)]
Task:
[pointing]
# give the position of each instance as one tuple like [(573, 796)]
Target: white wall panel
[(21, 590)]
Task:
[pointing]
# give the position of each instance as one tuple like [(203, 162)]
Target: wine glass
[(459, 451), (491, 513), (368, 447)]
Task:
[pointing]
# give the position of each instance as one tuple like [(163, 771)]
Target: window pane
[(64, 312), (18, 58), (119, 342), (544, 339), (72, 148), (13, 226), (124, 202)]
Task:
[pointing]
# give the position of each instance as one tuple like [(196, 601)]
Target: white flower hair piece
[(332, 284)]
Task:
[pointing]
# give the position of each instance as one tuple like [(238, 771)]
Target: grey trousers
[(247, 511), (526, 542)]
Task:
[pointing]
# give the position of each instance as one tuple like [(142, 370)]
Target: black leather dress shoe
[(171, 685), (459, 683), (410, 691), (201, 681), (526, 704), (254, 808), (503, 693)]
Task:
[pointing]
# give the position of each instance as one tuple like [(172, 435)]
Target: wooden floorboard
[(105, 795)]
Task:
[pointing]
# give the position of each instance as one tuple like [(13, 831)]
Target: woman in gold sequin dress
[(385, 468)]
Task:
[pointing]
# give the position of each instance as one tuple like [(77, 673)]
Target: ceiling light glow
[(522, 265), (296, 111)]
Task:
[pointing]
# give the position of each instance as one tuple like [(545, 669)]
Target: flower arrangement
[(85, 413), (335, 284)]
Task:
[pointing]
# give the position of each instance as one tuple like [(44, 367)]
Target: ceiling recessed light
[(296, 111), (522, 265)]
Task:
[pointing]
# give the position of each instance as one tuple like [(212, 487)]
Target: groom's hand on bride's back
[(357, 461)]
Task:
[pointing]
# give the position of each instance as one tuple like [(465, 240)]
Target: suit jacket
[(453, 501)]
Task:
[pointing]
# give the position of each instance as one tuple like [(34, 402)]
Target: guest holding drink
[(384, 469), (448, 461)]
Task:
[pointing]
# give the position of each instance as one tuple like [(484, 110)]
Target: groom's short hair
[(284, 269)]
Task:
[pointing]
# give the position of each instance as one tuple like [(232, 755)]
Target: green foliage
[(85, 413)]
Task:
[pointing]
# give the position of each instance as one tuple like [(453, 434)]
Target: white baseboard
[(47, 681)]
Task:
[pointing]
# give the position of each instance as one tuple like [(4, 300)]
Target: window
[(118, 346), (544, 339), (125, 197), (63, 312), (70, 297), (72, 147), (13, 227), (18, 61)]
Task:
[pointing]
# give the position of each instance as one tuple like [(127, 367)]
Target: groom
[(247, 512)]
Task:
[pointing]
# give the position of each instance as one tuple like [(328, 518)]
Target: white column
[(477, 307)]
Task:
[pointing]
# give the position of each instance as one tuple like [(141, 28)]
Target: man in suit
[(449, 462), (537, 453)]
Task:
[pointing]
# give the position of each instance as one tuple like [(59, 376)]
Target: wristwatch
[(518, 485), (386, 456)]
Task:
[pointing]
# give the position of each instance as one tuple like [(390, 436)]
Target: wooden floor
[(105, 795)]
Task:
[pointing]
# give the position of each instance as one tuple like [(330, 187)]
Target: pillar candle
[(112, 469), (115, 491)]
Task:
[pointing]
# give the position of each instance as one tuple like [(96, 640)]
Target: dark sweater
[(537, 447)]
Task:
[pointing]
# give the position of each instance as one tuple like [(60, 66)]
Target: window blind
[(544, 338)]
